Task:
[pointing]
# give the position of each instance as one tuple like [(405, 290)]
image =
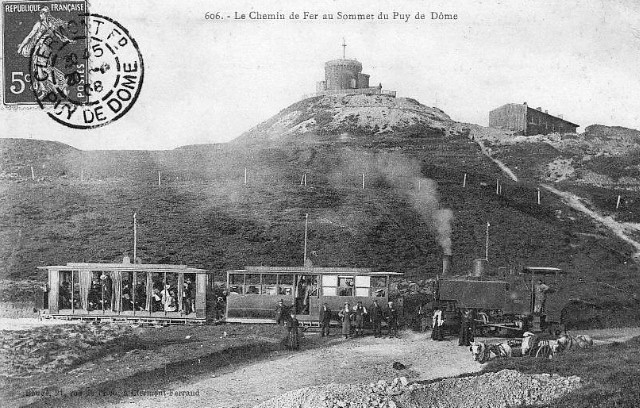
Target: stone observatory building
[(345, 76), (524, 120)]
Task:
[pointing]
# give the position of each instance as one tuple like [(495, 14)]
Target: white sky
[(209, 81)]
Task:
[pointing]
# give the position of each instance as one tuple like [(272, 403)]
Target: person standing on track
[(345, 317), (392, 320), (325, 319), (359, 311), (436, 325), (540, 297), (376, 319), (466, 328)]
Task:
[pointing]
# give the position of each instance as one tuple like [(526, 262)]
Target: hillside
[(604, 156), (412, 209), (341, 118)]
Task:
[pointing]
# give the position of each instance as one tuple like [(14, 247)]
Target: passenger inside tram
[(65, 296), (107, 291), (156, 300), (95, 294), (141, 292), (188, 296), (127, 300)]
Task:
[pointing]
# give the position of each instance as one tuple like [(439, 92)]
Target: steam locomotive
[(503, 305)]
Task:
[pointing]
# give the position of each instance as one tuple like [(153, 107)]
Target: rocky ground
[(243, 365), (46, 349), (506, 388)]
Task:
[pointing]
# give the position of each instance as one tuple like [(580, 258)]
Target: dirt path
[(352, 361), (479, 134), (619, 229)]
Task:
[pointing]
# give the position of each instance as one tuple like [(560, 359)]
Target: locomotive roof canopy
[(325, 270), (124, 267), (542, 270)]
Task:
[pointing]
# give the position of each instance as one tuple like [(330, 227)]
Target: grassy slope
[(203, 215)]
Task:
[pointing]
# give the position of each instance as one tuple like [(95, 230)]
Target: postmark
[(87, 80), (23, 23)]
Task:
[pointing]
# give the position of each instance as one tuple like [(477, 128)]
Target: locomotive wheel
[(544, 351)]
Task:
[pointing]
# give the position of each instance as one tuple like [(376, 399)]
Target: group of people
[(353, 319), (467, 326), (101, 296), (166, 299)]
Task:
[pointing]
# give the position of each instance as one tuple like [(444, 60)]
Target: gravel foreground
[(506, 388), (53, 348)]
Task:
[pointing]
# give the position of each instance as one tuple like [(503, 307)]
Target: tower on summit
[(345, 76)]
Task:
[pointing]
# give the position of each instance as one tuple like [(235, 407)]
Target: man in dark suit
[(325, 319), (376, 319), (392, 320)]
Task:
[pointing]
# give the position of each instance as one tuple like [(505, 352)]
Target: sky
[(208, 81)]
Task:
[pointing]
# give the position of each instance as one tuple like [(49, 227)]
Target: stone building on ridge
[(523, 120), (344, 77)]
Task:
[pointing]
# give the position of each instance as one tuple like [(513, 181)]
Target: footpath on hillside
[(624, 231)]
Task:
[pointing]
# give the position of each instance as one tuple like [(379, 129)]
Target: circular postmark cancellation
[(87, 73)]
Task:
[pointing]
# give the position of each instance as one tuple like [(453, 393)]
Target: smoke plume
[(404, 176)]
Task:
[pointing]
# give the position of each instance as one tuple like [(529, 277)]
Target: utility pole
[(306, 223), (486, 251), (135, 238)]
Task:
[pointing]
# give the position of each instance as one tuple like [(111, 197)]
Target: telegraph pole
[(486, 250), (306, 223), (135, 237)]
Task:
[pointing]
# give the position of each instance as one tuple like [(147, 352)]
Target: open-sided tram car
[(127, 291), (504, 306), (255, 291)]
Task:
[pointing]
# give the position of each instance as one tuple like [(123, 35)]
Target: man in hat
[(325, 319), (282, 313), (358, 312), (540, 297), (392, 320), (465, 337), (376, 319), (529, 342)]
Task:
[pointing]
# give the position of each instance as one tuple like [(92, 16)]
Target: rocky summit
[(345, 117)]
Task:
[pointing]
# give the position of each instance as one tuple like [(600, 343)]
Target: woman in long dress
[(345, 316)]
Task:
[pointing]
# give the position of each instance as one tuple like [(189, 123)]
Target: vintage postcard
[(338, 203)]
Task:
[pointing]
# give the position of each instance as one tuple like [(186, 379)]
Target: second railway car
[(255, 291)]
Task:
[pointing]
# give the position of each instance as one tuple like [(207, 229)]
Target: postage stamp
[(84, 71), (23, 23)]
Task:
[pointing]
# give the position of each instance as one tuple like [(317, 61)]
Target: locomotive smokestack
[(446, 264)]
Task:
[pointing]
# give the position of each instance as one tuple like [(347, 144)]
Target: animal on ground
[(483, 352), (567, 341)]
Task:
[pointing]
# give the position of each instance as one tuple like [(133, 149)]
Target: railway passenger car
[(255, 291), (127, 291)]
